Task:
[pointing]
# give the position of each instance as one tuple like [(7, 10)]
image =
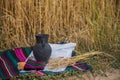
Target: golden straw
[(63, 62)]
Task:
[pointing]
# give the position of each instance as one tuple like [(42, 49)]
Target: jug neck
[(41, 38)]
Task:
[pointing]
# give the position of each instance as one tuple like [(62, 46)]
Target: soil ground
[(112, 74)]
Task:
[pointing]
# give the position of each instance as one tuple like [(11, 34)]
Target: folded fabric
[(34, 65)]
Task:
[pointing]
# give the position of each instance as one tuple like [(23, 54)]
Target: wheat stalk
[(92, 24), (63, 62)]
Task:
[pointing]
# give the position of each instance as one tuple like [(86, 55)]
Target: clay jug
[(42, 50)]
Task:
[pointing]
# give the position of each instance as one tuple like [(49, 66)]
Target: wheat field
[(92, 24)]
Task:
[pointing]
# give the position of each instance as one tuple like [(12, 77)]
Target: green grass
[(59, 76)]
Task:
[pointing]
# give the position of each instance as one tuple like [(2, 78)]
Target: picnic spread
[(17, 61)]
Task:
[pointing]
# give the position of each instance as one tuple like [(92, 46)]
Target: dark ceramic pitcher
[(42, 50)]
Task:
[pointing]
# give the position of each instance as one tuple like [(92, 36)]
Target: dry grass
[(92, 24), (63, 62)]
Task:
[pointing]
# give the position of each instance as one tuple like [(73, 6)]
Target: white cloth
[(61, 50)]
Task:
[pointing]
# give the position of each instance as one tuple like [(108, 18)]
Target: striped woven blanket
[(9, 60), (9, 63)]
